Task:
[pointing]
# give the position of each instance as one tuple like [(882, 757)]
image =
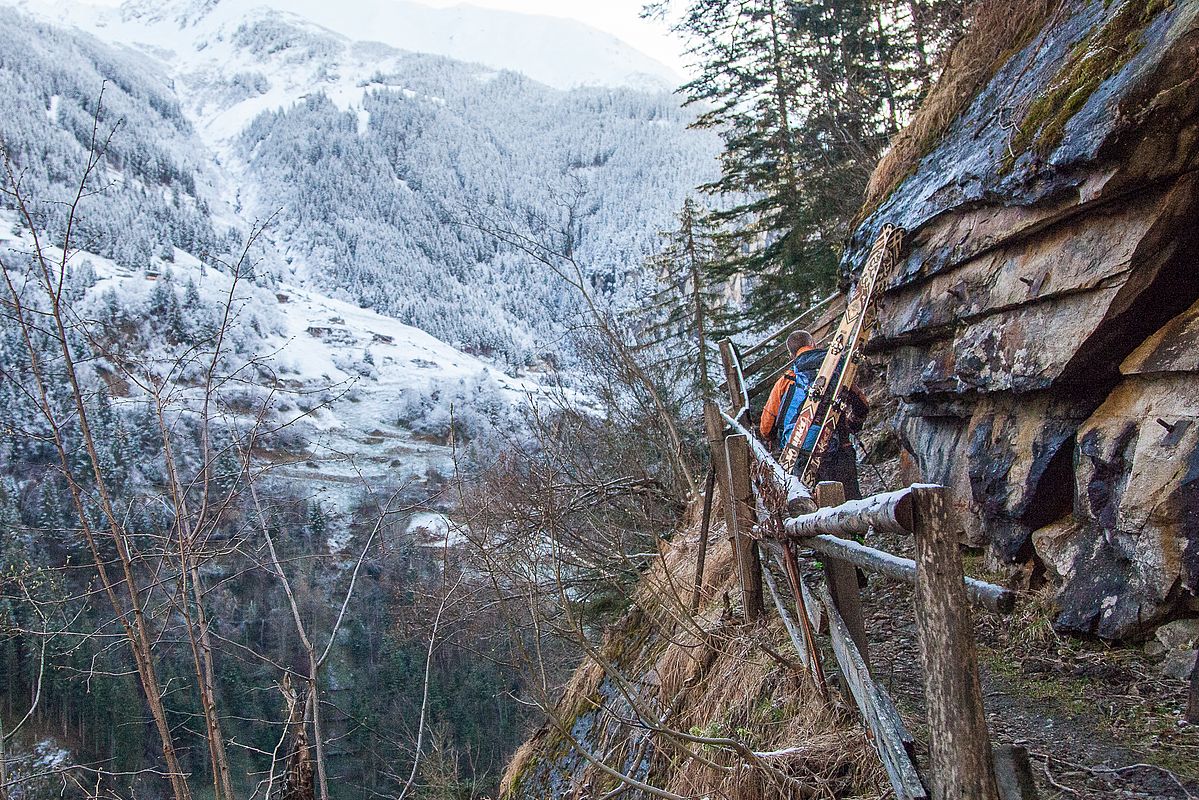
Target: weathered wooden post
[(1013, 773), (733, 381), (739, 512), (959, 744), (715, 429), (842, 577), (704, 525)]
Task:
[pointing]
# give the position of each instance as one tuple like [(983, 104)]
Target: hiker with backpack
[(787, 398)]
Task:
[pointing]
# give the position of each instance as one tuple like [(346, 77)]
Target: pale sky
[(621, 18)]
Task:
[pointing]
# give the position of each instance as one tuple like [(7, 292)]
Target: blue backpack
[(804, 371)]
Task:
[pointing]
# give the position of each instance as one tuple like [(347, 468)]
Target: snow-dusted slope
[(559, 52), (373, 181), (364, 156), (367, 403)]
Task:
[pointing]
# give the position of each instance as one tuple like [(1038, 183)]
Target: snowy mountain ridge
[(433, 139), (558, 52)]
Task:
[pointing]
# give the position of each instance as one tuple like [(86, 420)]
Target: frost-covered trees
[(806, 94), (376, 198), (685, 315), (52, 84)]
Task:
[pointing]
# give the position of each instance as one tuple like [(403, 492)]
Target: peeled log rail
[(763, 370), (734, 381), (885, 512), (798, 497), (890, 512), (762, 380), (982, 594)]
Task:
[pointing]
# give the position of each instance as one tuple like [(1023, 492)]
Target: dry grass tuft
[(996, 32), (525, 755), (738, 691), (710, 676), (578, 697)]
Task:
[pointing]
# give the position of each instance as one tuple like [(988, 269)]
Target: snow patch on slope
[(344, 379), (433, 530)]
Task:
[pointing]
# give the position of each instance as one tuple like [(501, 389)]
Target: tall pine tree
[(689, 310), (806, 94)]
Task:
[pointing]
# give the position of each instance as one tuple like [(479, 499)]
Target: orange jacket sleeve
[(770, 413)]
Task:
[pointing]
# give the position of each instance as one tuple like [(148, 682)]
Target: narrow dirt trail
[(1097, 721)]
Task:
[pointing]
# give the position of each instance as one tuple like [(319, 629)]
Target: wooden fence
[(770, 515), (768, 358)]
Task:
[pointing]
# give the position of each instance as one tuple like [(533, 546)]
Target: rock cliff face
[(1042, 331)]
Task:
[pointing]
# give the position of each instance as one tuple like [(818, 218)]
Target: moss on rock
[(1092, 61)]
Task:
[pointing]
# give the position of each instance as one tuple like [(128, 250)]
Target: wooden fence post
[(842, 577), (1192, 712), (892, 740), (739, 513), (959, 744), (715, 429), (732, 377), (739, 510), (705, 523), (1013, 773)]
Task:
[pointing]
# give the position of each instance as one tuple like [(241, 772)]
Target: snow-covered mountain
[(374, 286), (559, 52), (400, 148)]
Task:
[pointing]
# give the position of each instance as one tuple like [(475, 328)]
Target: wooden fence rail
[(795, 495), (892, 739), (890, 512), (771, 343), (768, 358), (768, 508)]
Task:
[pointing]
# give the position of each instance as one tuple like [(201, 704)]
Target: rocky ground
[(1098, 720)]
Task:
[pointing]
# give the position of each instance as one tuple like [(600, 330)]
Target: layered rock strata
[(1042, 330)]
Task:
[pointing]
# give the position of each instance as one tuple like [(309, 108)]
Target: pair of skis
[(840, 366)]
